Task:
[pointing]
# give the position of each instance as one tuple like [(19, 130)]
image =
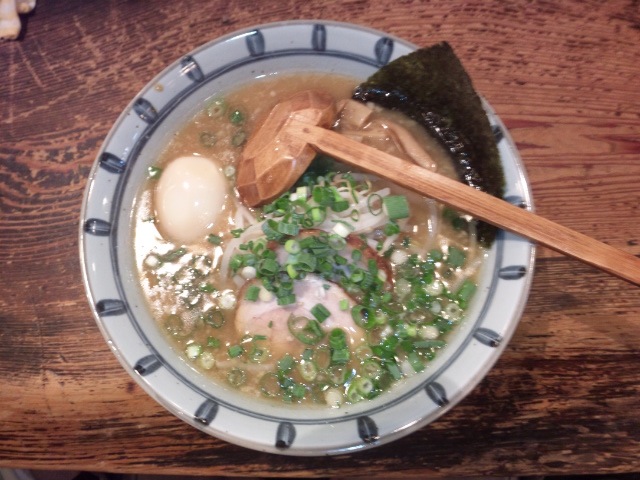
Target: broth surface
[(225, 312)]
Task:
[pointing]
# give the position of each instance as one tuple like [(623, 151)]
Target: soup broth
[(328, 295)]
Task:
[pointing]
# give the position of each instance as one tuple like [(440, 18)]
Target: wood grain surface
[(565, 396)]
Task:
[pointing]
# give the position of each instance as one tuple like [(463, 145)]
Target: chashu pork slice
[(266, 317)]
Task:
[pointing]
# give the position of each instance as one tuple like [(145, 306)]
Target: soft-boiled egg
[(189, 197)]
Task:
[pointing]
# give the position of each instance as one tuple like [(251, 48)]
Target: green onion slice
[(337, 242), (154, 172), (292, 246), (308, 331), (394, 370), (288, 228), (364, 386), (340, 357), (456, 257), (322, 357), (320, 312), (308, 370), (371, 369), (235, 351), (258, 354), (465, 292), (213, 318), (415, 362), (253, 291), (286, 363), (237, 232), (236, 377), (214, 239), (207, 139), (216, 108), (430, 344), (374, 204), (286, 299), (298, 390), (236, 117), (339, 374), (317, 215), (173, 255), (270, 385), (396, 207)]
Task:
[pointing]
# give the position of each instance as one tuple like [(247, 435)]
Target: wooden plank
[(564, 397)]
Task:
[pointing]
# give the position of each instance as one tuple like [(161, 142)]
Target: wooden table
[(565, 396)]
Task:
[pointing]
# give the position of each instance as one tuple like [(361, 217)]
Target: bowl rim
[(362, 419)]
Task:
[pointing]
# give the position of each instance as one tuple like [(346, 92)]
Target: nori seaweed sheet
[(432, 87)]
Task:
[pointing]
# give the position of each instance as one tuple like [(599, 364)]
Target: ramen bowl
[(112, 283)]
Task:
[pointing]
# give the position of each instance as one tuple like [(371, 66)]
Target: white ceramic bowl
[(119, 307)]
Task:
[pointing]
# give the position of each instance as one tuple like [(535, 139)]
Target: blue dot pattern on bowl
[(367, 429), (95, 226), (191, 69), (112, 163), (145, 110), (437, 393), (206, 412), (488, 337), (111, 307), (285, 435), (147, 365)]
